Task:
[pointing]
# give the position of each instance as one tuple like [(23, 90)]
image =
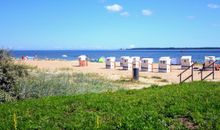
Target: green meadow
[(187, 106)]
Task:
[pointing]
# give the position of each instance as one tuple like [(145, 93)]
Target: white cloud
[(213, 6), (146, 12), (124, 14), (114, 8)]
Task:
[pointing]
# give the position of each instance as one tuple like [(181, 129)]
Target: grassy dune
[(47, 84), (187, 106)]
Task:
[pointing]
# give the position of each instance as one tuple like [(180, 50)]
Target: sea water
[(197, 54)]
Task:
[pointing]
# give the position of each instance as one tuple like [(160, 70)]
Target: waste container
[(135, 73)]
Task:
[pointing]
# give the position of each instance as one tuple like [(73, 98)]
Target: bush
[(10, 72), (5, 97)]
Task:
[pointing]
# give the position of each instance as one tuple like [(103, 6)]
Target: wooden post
[(213, 71), (192, 73), (201, 74)]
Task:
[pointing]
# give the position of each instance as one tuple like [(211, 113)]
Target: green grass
[(44, 84), (153, 108)]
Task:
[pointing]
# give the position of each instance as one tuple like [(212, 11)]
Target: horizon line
[(135, 48)]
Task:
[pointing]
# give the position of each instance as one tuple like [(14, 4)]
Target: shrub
[(10, 72), (5, 97)]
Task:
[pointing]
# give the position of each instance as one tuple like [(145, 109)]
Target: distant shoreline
[(172, 48), (139, 48)]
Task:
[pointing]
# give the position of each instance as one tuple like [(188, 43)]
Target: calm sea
[(197, 54)]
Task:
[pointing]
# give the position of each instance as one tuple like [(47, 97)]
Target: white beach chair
[(147, 64), (164, 64)]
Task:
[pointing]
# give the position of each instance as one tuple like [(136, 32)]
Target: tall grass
[(47, 84)]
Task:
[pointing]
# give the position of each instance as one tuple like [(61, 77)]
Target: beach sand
[(117, 74)]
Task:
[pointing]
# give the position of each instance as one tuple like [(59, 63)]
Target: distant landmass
[(170, 48)]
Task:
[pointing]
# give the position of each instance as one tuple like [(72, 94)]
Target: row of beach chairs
[(146, 64)]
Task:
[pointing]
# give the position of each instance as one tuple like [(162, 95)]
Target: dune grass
[(187, 106), (62, 84)]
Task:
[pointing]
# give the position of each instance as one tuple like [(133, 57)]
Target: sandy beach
[(150, 78)]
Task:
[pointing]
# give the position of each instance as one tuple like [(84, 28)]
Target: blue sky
[(108, 24)]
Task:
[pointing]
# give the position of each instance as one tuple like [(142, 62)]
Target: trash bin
[(135, 73)]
